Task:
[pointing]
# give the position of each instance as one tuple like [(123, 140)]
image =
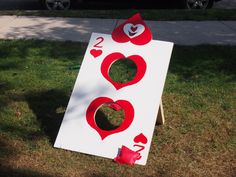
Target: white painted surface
[(75, 134)]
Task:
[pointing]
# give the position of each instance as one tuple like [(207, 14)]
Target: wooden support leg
[(160, 116)]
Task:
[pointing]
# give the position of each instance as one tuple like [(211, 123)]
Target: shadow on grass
[(10, 172), (4, 87), (7, 152), (5, 149), (95, 175), (198, 63), (45, 106), (20, 49), (49, 108), (103, 122)]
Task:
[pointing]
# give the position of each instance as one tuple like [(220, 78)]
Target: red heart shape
[(140, 139), (145, 37), (95, 53), (111, 58), (97, 103), (133, 28)]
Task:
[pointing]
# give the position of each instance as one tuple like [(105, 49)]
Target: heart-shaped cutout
[(107, 118), (97, 103), (95, 53), (110, 59), (132, 30), (141, 138)]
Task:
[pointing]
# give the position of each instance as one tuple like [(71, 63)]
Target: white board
[(77, 132)]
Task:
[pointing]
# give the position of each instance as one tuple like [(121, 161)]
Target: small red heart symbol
[(140, 139), (110, 59), (95, 53), (97, 103), (133, 28)]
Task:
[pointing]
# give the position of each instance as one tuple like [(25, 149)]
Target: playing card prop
[(139, 98)]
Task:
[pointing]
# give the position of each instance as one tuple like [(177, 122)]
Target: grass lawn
[(147, 14), (198, 139)]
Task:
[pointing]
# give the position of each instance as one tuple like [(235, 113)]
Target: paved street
[(80, 29), (226, 4)]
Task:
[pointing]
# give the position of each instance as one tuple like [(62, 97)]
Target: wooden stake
[(160, 115)]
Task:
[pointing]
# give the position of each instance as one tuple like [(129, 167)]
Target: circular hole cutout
[(123, 70), (107, 118)]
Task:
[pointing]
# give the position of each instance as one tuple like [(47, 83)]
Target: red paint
[(143, 38), (138, 60), (95, 53), (127, 156), (100, 40), (140, 139), (133, 28), (97, 103), (115, 107), (141, 147)]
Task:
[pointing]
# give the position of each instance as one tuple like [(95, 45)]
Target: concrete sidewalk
[(80, 29)]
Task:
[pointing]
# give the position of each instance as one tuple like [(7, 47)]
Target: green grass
[(198, 139), (147, 14), (108, 119), (127, 71)]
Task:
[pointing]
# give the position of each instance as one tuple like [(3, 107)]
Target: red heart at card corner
[(119, 35), (97, 103), (141, 138), (111, 58), (95, 53)]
